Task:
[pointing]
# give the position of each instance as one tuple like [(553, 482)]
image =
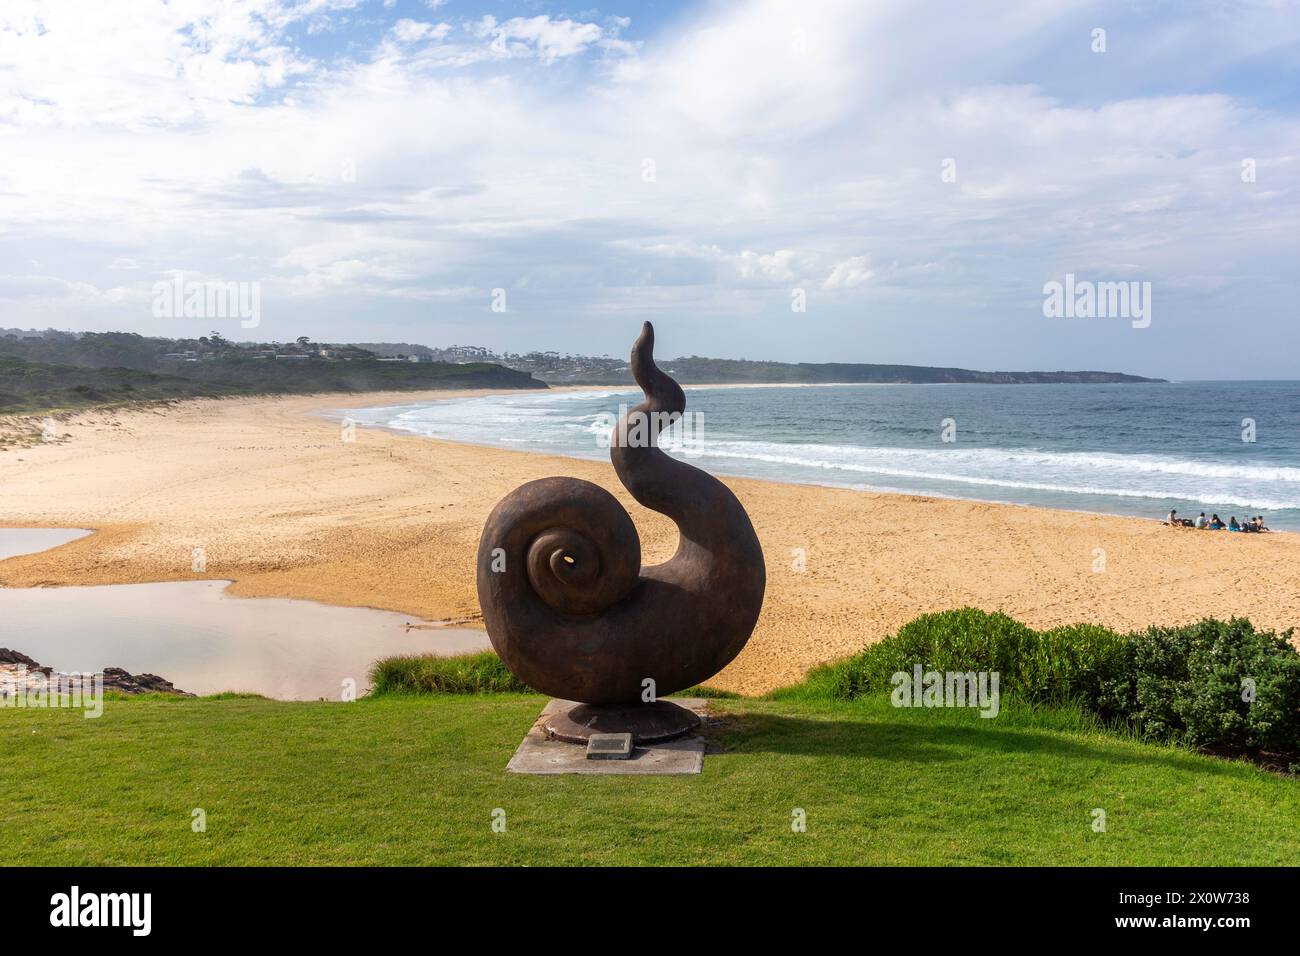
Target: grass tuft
[(704, 690), (481, 673)]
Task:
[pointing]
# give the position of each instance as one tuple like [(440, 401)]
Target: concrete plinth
[(540, 753)]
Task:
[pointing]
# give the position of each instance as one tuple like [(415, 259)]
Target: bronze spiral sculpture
[(572, 612)]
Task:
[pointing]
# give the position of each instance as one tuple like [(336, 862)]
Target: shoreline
[(863, 489), (391, 521)]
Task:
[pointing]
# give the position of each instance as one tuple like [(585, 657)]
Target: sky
[(824, 180)]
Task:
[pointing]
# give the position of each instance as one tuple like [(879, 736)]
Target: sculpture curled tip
[(662, 393)]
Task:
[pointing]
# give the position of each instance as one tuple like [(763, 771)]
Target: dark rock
[(115, 678), (15, 657)]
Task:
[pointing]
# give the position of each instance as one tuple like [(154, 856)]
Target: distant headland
[(51, 369), (555, 368)]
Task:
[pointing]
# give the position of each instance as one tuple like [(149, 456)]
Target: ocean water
[(1134, 450)]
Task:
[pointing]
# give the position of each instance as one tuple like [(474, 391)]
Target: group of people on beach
[(1215, 523)]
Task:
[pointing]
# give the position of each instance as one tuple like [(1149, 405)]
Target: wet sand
[(282, 507)]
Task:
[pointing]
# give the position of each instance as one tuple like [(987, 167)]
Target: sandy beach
[(284, 508)]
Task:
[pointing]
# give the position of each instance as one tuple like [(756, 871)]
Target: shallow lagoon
[(16, 541), (203, 640)]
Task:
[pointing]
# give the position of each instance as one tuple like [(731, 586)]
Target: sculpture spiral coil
[(566, 602)]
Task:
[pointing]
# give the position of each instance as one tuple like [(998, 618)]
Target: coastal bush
[(1042, 668), (481, 673), (1215, 684), (1212, 685), (1082, 663)]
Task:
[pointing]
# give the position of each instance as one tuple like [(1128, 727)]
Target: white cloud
[(776, 267), (412, 31), (442, 161), (78, 62), (742, 267), (849, 273), (538, 36)]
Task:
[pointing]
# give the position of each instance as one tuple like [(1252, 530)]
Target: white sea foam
[(852, 457), (1067, 473), (549, 421)]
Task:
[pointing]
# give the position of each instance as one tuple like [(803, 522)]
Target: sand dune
[(284, 508)]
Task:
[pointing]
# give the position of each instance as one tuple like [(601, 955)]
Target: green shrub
[(1196, 684), (481, 673), (962, 640), (1082, 663), (1181, 684)]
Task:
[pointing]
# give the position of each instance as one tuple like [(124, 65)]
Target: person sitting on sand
[(1200, 521), (1173, 518), (1216, 523), (1259, 523), (1232, 524)]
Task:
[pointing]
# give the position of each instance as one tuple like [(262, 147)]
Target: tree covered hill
[(567, 369), (28, 387), (53, 369), (67, 370)]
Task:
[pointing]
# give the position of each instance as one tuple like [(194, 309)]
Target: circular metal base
[(647, 723)]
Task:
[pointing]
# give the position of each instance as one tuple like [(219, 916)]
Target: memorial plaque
[(609, 747)]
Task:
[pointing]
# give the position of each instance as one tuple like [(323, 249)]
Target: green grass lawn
[(415, 780)]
